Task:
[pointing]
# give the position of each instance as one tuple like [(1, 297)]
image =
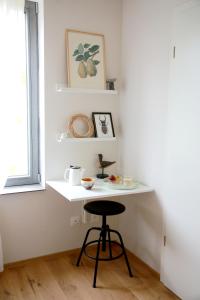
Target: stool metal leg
[(83, 246), (104, 233), (124, 251), (97, 261), (109, 241)]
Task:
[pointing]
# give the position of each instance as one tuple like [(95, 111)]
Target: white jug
[(73, 175)]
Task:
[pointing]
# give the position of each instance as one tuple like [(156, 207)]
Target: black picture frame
[(103, 124)]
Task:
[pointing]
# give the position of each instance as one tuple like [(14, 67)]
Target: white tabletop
[(79, 193)]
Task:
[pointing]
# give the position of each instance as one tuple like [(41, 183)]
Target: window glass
[(19, 95)]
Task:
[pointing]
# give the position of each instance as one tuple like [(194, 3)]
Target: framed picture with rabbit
[(85, 59)]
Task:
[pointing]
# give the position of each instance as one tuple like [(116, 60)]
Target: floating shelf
[(92, 139), (63, 88)]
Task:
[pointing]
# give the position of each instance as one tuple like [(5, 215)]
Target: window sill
[(22, 189)]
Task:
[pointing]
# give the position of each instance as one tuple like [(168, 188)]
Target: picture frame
[(85, 59), (103, 124)]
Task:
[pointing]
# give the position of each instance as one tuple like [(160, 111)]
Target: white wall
[(146, 34), (37, 223), (86, 16)]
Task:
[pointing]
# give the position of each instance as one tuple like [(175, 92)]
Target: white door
[(180, 269)]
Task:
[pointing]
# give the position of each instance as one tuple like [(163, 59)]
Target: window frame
[(31, 24)]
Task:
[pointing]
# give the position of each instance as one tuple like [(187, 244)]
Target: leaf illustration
[(79, 58), (86, 55), (94, 48), (76, 52), (86, 45), (96, 62), (80, 48)]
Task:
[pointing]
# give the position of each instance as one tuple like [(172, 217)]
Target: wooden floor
[(57, 277)]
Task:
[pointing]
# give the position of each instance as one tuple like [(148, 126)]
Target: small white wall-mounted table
[(99, 191)]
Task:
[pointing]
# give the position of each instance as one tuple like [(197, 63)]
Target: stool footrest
[(102, 258)]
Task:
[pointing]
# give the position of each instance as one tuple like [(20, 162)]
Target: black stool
[(104, 208)]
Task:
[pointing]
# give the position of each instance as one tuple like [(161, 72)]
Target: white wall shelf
[(64, 89), (83, 140)]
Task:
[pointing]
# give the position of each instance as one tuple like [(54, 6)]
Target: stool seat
[(104, 208)]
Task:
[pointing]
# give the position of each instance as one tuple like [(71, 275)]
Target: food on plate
[(115, 179), (112, 177)]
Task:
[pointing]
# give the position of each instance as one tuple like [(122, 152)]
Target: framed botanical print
[(103, 124), (85, 59)]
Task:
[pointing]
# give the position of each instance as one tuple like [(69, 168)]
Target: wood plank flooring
[(56, 277)]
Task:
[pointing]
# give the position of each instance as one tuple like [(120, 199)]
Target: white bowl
[(87, 182)]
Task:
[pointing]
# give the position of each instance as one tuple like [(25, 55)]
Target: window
[(22, 122)]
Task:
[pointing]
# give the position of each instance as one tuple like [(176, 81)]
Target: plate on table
[(118, 186)]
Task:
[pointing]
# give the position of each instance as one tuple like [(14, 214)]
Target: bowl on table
[(87, 182)]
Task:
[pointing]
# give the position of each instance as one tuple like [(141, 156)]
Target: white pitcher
[(73, 175)]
